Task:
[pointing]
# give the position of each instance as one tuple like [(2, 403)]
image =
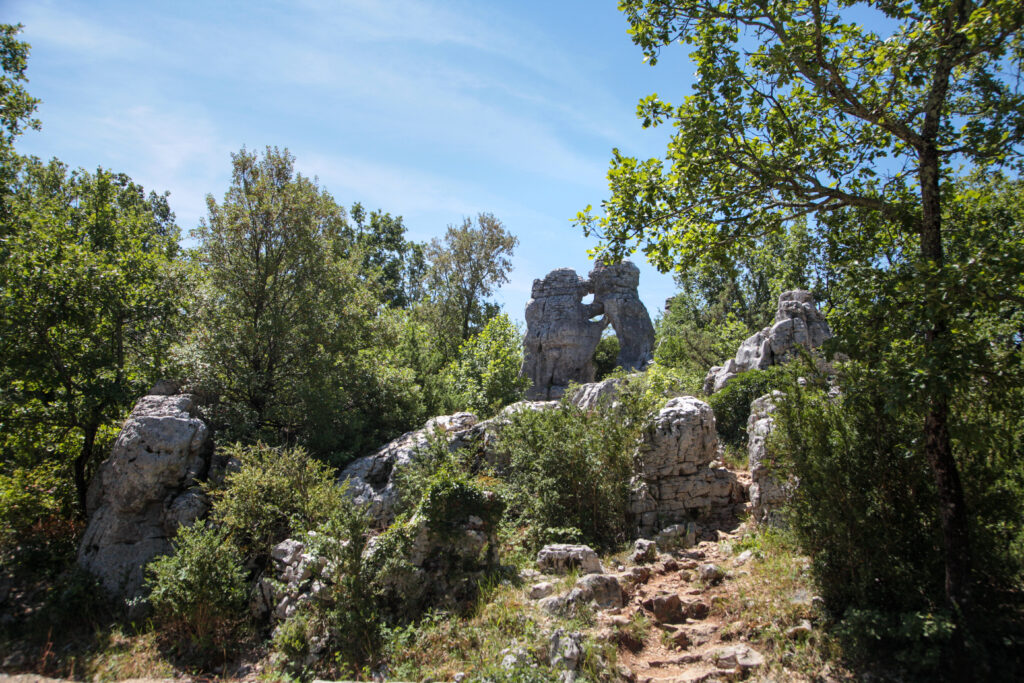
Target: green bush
[(200, 590), (570, 469), (346, 617), (485, 376), (452, 496), (732, 403), (606, 357), (274, 493)]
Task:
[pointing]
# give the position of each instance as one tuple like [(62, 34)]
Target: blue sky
[(430, 109)]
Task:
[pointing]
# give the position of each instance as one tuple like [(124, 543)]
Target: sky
[(434, 110)]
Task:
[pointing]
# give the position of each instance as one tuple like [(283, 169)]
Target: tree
[(485, 376), (89, 301), (16, 109), (400, 262), (287, 338), (463, 271), (798, 110)]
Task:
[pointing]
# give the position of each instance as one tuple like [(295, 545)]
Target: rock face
[(145, 490), (797, 323), (615, 288), (767, 492), (370, 478), (675, 480), (559, 558), (562, 335)]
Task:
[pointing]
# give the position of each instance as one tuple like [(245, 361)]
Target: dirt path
[(690, 638)]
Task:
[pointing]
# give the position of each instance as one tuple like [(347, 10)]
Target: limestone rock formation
[(562, 333), (559, 558), (370, 478), (767, 492), (615, 289), (797, 323), (560, 336), (675, 479), (144, 491)]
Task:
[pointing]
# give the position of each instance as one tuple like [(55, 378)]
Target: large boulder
[(145, 490), (768, 491), (798, 323), (562, 332), (371, 478), (675, 476), (615, 289), (561, 336)]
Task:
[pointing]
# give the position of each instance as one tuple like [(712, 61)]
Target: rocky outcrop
[(562, 333), (615, 289), (798, 323), (371, 478), (561, 336), (145, 490), (768, 492), (675, 477)]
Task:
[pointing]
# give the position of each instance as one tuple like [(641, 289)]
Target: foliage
[(606, 356), (345, 616), (16, 109), (569, 468), (89, 302), (485, 377), (452, 496), (463, 270), (731, 404), (798, 109), (288, 339), (400, 263), (273, 494), (30, 497), (200, 590)]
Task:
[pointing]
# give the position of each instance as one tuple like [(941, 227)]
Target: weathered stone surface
[(561, 336), (371, 478), (559, 558), (798, 323), (615, 288), (562, 333), (602, 589), (565, 652), (144, 490), (644, 552), (541, 590), (742, 657), (596, 394), (675, 480), (768, 492), (666, 609), (710, 573)]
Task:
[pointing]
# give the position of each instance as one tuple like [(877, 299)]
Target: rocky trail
[(691, 639)]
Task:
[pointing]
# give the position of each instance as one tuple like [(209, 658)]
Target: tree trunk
[(81, 485), (937, 446)]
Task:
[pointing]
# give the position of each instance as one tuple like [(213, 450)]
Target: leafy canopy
[(800, 107)]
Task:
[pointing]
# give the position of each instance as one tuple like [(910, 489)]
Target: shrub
[(346, 618), (732, 403), (485, 376), (200, 590), (568, 468), (274, 493), (606, 356)]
